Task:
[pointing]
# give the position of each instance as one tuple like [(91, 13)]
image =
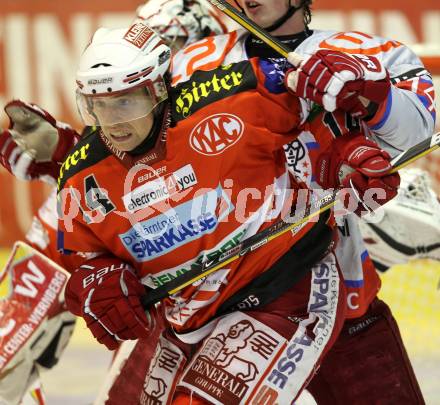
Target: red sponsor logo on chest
[(216, 133)]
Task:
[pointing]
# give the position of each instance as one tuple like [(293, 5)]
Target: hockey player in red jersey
[(35, 144), (150, 222), (298, 158)]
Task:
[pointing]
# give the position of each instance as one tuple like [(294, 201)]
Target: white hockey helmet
[(188, 19), (410, 225), (117, 62)]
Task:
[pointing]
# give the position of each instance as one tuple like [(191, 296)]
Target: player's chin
[(257, 15), (124, 146), (121, 138)]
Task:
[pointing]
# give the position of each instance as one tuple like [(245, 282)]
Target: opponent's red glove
[(337, 80), (105, 292), (35, 145), (356, 163)]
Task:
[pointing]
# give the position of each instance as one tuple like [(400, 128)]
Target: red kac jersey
[(218, 176)]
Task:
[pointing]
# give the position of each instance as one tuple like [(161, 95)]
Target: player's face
[(264, 12), (126, 120), (128, 135)]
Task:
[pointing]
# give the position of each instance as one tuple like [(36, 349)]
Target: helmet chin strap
[(289, 13)]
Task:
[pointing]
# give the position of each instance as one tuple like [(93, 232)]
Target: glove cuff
[(67, 139)]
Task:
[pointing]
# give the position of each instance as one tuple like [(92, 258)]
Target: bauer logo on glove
[(106, 293)]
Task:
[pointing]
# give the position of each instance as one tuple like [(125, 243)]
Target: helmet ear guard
[(289, 13)]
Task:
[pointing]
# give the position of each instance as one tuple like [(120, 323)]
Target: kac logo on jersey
[(216, 133)]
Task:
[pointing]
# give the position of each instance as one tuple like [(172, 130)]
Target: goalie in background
[(30, 149), (410, 224)]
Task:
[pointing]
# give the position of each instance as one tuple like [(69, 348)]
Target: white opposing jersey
[(406, 118)]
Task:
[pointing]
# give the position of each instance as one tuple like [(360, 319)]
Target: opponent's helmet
[(116, 62), (410, 227), (189, 19)]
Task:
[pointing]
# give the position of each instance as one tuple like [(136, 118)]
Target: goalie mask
[(410, 227), (189, 20)]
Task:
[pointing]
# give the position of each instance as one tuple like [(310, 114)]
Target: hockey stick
[(428, 145), (279, 228), (255, 29)]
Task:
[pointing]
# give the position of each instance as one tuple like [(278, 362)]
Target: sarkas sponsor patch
[(177, 226)]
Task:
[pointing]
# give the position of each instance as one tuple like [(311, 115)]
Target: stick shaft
[(252, 27), (428, 145), (279, 228)]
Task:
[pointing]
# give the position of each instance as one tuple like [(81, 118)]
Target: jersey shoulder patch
[(207, 87), (87, 152), (207, 54), (356, 42)]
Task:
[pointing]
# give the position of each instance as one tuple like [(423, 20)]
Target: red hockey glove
[(356, 163), (336, 80), (35, 145), (105, 292)]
